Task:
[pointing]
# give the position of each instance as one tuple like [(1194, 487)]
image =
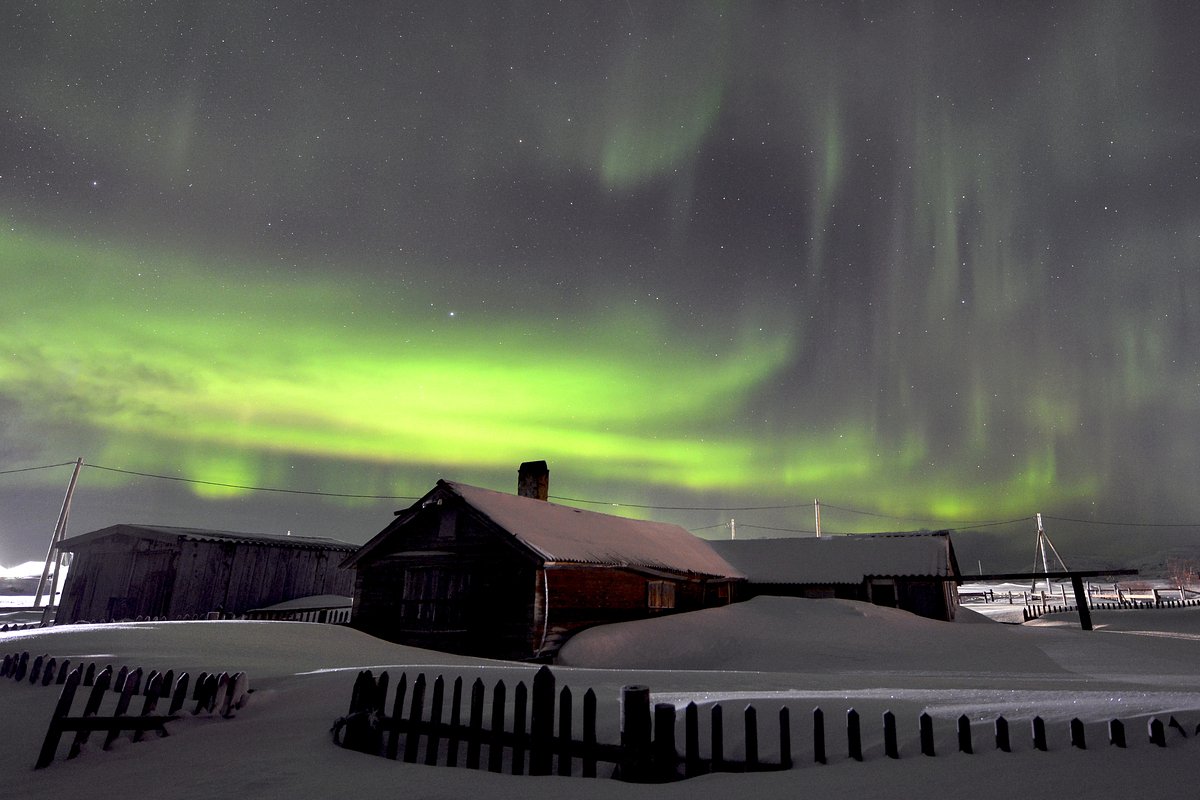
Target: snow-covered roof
[(563, 533), (557, 533), (167, 533), (840, 559), (312, 602)]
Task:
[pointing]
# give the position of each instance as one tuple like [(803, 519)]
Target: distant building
[(475, 571), (902, 570), (131, 571)]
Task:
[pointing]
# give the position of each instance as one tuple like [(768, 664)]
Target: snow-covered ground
[(770, 651)]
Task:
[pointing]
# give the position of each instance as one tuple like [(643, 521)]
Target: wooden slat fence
[(216, 694), (647, 751)]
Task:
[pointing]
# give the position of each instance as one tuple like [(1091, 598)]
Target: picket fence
[(647, 750), (214, 694), (1039, 610)]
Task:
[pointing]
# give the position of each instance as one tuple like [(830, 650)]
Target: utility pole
[(817, 512), (52, 554), (1039, 551), (732, 528)]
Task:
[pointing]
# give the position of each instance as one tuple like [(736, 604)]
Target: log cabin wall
[(448, 581)]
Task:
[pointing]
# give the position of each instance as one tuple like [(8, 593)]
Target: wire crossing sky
[(936, 260)]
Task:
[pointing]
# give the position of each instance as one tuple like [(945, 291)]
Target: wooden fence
[(647, 750), (218, 694), (1039, 610)]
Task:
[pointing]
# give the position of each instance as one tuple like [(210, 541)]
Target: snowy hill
[(836, 654)]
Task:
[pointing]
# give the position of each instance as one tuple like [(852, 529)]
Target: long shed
[(476, 571), (903, 570), (129, 571)]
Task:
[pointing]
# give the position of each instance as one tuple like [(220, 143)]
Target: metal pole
[(817, 511), (60, 528), (732, 528)]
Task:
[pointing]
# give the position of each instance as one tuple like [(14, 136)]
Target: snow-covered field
[(769, 651)]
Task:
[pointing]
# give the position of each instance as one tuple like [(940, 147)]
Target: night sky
[(934, 261)]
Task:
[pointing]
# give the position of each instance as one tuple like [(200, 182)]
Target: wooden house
[(131, 571), (476, 571), (911, 571)]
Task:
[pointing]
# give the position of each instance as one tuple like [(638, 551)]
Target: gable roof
[(842, 559), (165, 533), (557, 533)]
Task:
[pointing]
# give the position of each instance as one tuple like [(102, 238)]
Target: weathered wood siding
[(477, 587), (125, 577)]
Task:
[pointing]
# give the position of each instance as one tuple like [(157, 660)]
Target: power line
[(31, 469), (252, 488), (680, 508)]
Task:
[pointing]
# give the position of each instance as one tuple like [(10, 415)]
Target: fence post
[(90, 709), (565, 724), (665, 754), (433, 743), (1039, 734), (397, 722), (1116, 733), (964, 735), (475, 726), (819, 736), (925, 724), (54, 732), (455, 718), (1077, 735), (890, 748), (785, 738), (635, 734), (1158, 733), (750, 718), (179, 693), (150, 704), (589, 734), (717, 737), (48, 672), (691, 740), (541, 723), (1002, 743), (496, 745), (853, 736), (520, 704)]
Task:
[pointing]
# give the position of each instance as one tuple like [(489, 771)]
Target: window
[(660, 594), (434, 596)]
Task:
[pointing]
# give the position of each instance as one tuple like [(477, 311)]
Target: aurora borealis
[(936, 261)]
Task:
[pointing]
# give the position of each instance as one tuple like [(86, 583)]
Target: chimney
[(533, 480)]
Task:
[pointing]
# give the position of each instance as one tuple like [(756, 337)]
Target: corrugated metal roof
[(165, 532), (562, 533), (839, 559)]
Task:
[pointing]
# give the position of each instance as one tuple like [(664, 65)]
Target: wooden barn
[(481, 572), (901, 570), (131, 571)]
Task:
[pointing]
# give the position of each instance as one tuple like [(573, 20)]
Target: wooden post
[(475, 725), (853, 736), (1081, 603), (454, 736), (1077, 735), (819, 736), (691, 740), (179, 694), (541, 723), (635, 735), (717, 737), (393, 742), (589, 734), (750, 718), (433, 744), (122, 707), (925, 724), (964, 735), (785, 738), (665, 753), (1116, 733), (565, 724), (90, 709), (520, 704), (54, 731), (1039, 734), (496, 745), (890, 748), (150, 704), (1158, 732)]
